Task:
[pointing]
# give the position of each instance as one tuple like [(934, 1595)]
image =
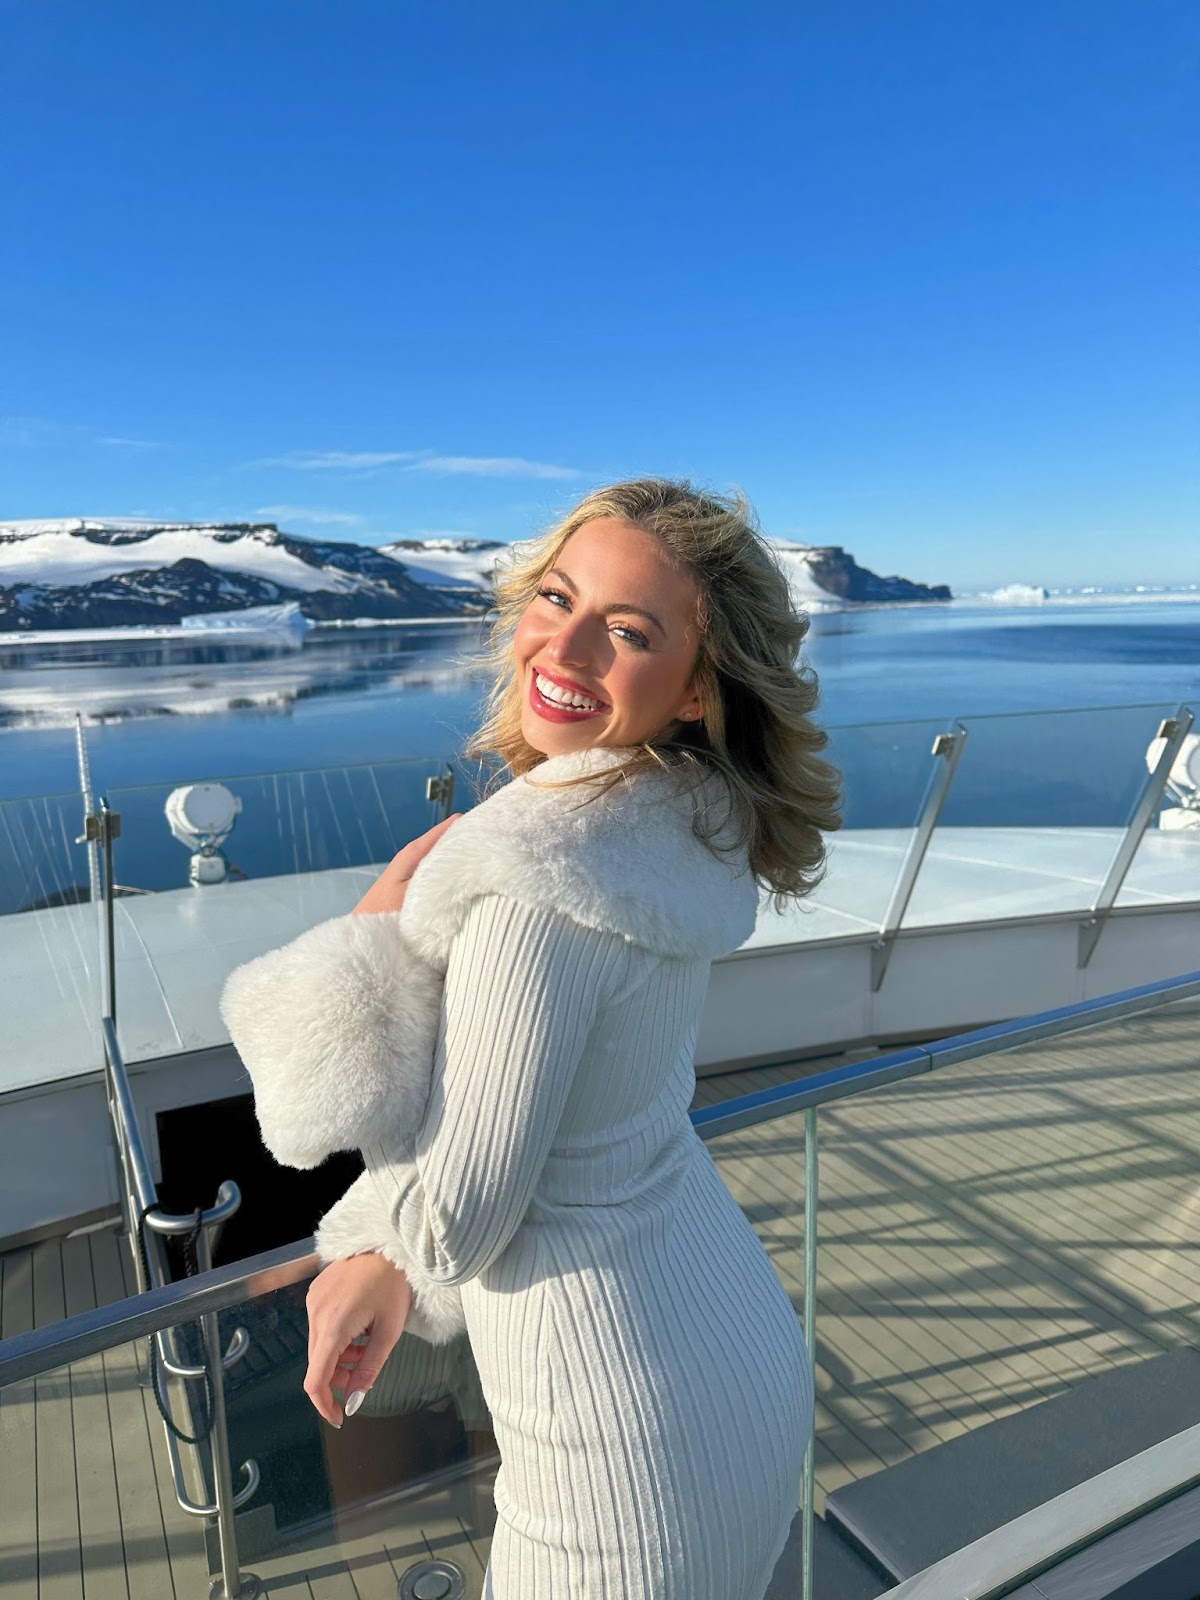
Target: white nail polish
[(353, 1400)]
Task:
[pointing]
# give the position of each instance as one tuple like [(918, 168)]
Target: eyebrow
[(616, 605)]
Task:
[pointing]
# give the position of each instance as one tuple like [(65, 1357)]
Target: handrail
[(841, 1082), (125, 1114), (27, 1355), (1038, 1540)]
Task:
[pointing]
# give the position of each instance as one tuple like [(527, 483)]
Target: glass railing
[(1002, 818), (1003, 1215), (887, 771), (189, 905), (288, 824), (40, 863), (1058, 790), (1037, 810), (968, 1229), (92, 1492)]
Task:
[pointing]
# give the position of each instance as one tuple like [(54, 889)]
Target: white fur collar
[(338, 1028), (625, 861)]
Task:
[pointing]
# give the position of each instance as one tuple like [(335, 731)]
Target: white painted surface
[(175, 949)]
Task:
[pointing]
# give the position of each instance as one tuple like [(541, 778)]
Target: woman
[(505, 1025)]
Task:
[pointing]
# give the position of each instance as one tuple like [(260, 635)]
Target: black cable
[(191, 1268)]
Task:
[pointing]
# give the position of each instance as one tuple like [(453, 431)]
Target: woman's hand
[(365, 1295), (388, 890)]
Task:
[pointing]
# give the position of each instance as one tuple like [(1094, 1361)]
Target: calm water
[(175, 712), (1059, 704)]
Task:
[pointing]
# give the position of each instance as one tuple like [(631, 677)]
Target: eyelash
[(637, 639)]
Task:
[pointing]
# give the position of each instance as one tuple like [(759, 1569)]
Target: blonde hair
[(756, 696)]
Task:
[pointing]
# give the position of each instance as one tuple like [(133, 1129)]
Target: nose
[(574, 643)]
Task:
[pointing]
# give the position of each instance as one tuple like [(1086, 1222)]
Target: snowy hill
[(78, 572), (450, 566), (81, 572), (821, 576)]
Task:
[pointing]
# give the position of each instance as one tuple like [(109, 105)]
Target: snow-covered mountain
[(451, 567), (80, 572), (821, 576)]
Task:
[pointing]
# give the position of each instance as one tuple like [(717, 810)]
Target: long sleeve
[(522, 989), (336, 1030)]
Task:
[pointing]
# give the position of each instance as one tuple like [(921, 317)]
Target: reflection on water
[(43, 685)]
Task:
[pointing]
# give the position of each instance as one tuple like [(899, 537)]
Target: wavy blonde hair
[(757, 697)]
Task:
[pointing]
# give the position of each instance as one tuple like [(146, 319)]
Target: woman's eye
[(631, 632)]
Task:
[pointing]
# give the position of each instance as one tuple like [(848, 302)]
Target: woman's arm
[(336, 1028), (522, 989)]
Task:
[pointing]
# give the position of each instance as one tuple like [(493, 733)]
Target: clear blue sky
[(921, 277)]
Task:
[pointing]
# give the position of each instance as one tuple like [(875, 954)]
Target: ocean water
[(173, 712), (327, 745)]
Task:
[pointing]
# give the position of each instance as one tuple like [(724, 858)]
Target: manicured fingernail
[(353, 1400)]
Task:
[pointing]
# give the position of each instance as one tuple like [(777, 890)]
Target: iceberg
[(285, 618), (1017, 594)]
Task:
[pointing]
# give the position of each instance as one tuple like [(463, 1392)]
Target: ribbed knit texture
[(644, 1368)]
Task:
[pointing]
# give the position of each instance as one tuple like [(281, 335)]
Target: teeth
[(563, 697)]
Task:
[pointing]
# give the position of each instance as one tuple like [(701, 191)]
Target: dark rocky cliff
[(840, 575)]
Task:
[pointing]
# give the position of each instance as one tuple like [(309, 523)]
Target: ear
[(690, 708)]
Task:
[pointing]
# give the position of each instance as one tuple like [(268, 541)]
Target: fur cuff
[(337, 1030), (360, 1222)]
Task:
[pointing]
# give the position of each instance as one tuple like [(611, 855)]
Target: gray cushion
[(912, 1514)]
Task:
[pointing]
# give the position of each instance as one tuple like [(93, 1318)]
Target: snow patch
[(1017, 594), (61, 555)]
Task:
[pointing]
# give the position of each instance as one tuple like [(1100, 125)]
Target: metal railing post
[(101, 827), (441, 791), (1174, 730), (949, 746), (233, 1584), (98, 831), (811, 1188), (85, 790)]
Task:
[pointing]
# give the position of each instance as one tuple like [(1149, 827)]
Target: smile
[(558, 702)]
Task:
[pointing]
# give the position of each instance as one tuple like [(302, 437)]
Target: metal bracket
[(1174, 730), (949, 746), (100, 826), (234, 1351), (440, 790)]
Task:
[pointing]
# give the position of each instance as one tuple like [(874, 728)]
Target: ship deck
[(988, 1235)]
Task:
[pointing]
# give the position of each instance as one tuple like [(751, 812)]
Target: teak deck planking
[(988, 1235)]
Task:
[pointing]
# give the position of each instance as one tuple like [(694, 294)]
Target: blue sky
[(920, 277)]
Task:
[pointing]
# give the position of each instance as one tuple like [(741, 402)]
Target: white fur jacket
[(338, 1029)]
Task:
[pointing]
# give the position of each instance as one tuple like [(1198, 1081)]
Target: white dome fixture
[(201, 815), (1183, 782)]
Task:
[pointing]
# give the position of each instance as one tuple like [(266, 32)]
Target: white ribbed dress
[(536, 1173), (646, 1374)]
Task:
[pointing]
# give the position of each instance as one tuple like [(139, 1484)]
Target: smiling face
[(612, 638)]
